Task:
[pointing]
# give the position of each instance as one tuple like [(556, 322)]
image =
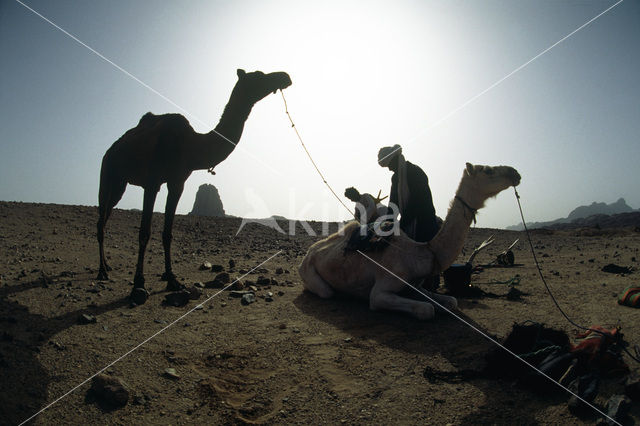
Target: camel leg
[(381, 298), (108, 198), (448, 302), (145, 231), (174, 193), (313, 282)]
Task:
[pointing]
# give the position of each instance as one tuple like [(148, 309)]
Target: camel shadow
[(460, 344), (25, 381)]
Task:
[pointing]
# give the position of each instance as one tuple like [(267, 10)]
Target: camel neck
[(232, 121), (220, 142), (448, 243)]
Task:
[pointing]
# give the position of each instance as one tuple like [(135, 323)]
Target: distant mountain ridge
[(578, 216)]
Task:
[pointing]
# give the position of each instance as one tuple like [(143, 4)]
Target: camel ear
[(470, 168), (241, 73)]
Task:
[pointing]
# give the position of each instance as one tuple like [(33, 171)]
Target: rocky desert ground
[(288, 357)]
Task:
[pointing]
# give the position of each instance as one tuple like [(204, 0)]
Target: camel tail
[(103, 182), (111, 188)]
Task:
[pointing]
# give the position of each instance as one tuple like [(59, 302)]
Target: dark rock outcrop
[(619, 206), (208, 202), (616, 214)]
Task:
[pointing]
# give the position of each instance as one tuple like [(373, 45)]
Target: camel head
[(254, 86), (480, 183)]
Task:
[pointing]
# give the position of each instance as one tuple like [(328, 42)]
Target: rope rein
[(286, 110), (473, 211), (544, 281)]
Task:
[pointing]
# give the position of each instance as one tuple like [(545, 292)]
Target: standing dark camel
[(165, 148)]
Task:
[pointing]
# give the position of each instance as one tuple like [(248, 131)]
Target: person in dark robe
[(411, 193)]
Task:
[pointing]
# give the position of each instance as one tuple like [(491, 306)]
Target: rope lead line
[(544, 281), (286, 110)]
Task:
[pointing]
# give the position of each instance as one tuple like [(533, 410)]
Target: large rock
[(208, 202), (111, 391)]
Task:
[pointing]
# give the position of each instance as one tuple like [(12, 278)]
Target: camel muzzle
[(515, 178), (283, 80)]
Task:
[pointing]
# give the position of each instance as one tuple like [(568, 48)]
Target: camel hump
[(173, 121)]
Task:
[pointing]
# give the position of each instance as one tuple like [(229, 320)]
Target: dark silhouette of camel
[(165, 148)]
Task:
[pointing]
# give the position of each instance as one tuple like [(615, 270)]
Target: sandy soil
[(294, 360)]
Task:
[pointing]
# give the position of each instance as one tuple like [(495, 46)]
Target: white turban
[(388, 153)]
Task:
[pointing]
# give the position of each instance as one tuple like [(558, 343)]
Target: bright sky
[(365, 75)]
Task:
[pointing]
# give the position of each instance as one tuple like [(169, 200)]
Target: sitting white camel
[(328, 268)]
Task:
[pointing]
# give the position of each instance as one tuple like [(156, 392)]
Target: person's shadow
[(445, 336), (24, 381)]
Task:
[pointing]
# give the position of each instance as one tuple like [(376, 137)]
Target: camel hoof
[(174, 285), (139, 295), (168, 276), (450, 303), (138, 281), (102, 275), (424, 312)]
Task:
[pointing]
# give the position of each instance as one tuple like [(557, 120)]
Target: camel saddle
[(365, 238)]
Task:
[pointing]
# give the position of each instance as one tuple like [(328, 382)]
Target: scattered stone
[(239, 293), (87, 319), (273, 281), (616, 269), (57, 345), (282, 326), (139, 295), (205, 266), (263, 281), (348, 339), (232, 263), (219, 281), (213, 284), (198, 284), (253, 288), (248, 298), (217, 268), (223, 278), (194, 292), (280, 293), (269, 297), (171, 373), (178, 298), (279, 271), (110, 390), (139, 400)]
